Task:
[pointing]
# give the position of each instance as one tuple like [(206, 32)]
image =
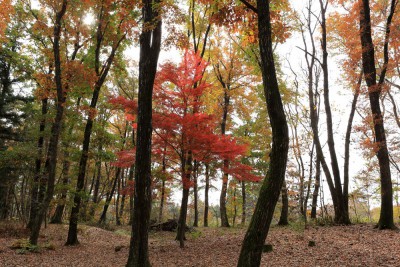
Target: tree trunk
[(347, 145), (374, 92), (243, 202), (97, 182), (51, 160), (186, 174), (222, 199), (250, 254), (196, 195), (283, 220), (150, 43), (110, 196), (117, 207), (225, 178), (123, 198), (34, 204), (234, 206), (72, 238), (164, 167), (316, 190), (57, 216), (131, 194), (341, 211), (206, 189)]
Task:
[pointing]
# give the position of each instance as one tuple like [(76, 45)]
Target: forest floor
[(356, 245)]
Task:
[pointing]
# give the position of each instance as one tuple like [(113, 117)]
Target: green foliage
[(196, 234), (22, 246)]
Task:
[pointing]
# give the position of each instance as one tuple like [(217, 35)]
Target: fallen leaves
[(357, 245)]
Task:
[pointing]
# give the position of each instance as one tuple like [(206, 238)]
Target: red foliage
[(129, 106), (126, 158), (128, 189), (180, 124)]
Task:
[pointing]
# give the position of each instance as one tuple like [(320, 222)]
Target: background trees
[(71, 131)]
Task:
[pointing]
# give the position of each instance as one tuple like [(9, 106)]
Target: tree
[(250, 254), (374, 92), (15, 68), (234, 77), (6, 11), (150, 44), (187, 131), (51, 159), (106, 37)]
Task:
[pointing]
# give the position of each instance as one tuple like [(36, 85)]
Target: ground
[(356, 245)]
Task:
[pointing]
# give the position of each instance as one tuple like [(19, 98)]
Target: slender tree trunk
[(164, 168), (347, 145), (97, 182), (51, 161), (222, 200), (123, 198), (196, 195), (341, 211), (110, 196), (150, 43), (243, 202), (34, 204), (225, 178), (187, 168), (131, 194), (206, 189), (283, 220), (72, 238), (250, 254), (234, 206), (57, 216), (374, 92), (160, 215), (316, 190), (117, 207)]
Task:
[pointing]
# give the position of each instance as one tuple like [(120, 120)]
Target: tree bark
[(206, 189), (57, 216), (123, 198), (34, 204), (110, 195), (234, 203), (164, 168), (196, 195), (225, 178), (250, 254), (316, 190), (347, 145), (187, 169), (243, 202), (117, 207), (101, 73), (150, 44), (51, 160), (283, 219), (374, 92), (97, 182)]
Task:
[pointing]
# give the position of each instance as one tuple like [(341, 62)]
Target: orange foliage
[(5, 15), (239, 18)]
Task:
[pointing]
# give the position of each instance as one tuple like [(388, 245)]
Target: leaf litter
[(356, 245)]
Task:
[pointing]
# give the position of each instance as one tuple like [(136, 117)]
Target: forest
[(199, 133)]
